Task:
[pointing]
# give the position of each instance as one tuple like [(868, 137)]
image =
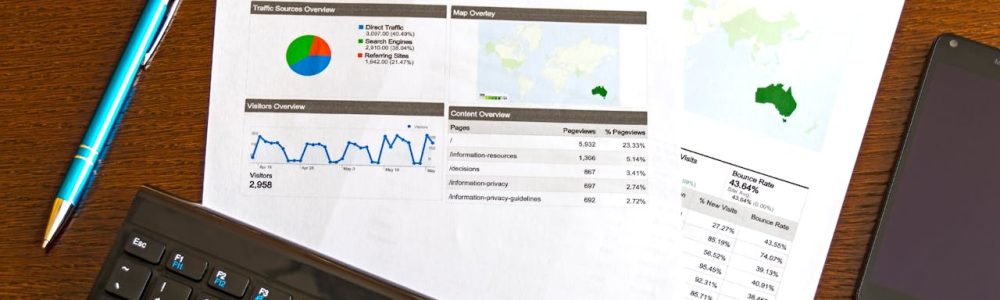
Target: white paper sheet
[(777, 97), (491, 151)]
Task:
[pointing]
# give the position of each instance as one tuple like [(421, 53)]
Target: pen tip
[(45, 244)]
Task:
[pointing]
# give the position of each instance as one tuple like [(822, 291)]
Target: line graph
[(374, 159)]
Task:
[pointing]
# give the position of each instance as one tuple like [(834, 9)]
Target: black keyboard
[(169, 248)]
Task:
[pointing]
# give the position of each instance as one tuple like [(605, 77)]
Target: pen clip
[(161, 32)]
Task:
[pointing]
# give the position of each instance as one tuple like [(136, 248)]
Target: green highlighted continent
[(299, 49), (599, 91), (782, 99)]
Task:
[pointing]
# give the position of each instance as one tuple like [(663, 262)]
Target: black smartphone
[(938, 236)]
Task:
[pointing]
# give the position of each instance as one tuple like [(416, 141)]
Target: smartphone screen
[(939, 234)]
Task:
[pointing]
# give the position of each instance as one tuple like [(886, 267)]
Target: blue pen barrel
[(109, 111), (88, 161)]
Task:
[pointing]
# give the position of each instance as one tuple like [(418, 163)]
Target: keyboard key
[(265, 292), (166, 289), (229, 282), (144, 248), (128, 279), (190, 266), (204, 296)]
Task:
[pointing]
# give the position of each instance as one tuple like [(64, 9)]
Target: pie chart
[(308, 55)]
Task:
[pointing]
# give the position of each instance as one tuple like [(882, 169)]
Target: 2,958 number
[(260, 184)]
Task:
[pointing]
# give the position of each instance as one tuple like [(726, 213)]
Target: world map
[(548, 63)]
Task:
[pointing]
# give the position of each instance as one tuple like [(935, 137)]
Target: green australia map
[(599, 91), (782, 99)]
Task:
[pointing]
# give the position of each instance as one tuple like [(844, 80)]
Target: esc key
[(144, 248)]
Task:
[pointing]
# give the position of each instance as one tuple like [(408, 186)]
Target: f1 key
[(190, 266)]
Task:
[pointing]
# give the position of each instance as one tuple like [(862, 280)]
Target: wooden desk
[(56, 57)]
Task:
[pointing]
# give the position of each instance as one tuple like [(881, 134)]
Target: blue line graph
[(375, 160)]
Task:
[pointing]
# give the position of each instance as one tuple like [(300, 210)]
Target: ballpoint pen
[(146, 37)]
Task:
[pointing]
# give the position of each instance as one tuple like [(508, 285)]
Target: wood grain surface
[(56, 58)]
